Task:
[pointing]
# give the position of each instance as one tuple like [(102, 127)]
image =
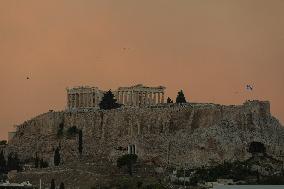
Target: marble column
[(159, 98), (155, 98), (163, 96), (76, 100), (122, 97), (137, 98), (125, 98), (132, 98), (151, 98), (118, 97)]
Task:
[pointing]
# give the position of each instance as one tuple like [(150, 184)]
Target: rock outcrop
[(190, 134)]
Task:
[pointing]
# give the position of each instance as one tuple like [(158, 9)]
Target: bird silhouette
[(249, 87)]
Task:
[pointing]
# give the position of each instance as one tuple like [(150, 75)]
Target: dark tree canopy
[(60, 129), (3, 142), (57, 157), (127, 160), (72, 131), (80, 147), (13, 162), (169, 100), (36, 161), (180, 97), (256, 147), (52, 184), (43, 164), (61, 185), (2, 162), (108, 101)]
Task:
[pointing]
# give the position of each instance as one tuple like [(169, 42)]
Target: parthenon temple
[(137, 95), (140, 95)]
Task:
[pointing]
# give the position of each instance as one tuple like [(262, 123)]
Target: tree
[(2, 162), (3, 142), (80, 148), (169, 100), (180, 97), (43, 164), (57, 157), (60, 129), (52, 184), (256, 147), (127, 160), (13, 162), (72, 131), (108, 101), (61, 185), (36, 161)]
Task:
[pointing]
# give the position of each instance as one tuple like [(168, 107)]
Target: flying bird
[(28, 78), (249, 87)]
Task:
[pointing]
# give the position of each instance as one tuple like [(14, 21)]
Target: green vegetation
[(236, 171), (57, 157), (52, 184), (2, 162), (127, 160), (3, 142), (180, 97), (125, 182), (61, 186), (60, 129), (80, 147), (272, 180), (108, 101), (72, 131), (43, 164), (36, 161), (13, 162), (256, 147)]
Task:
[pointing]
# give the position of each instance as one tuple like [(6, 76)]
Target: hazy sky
[(209, 48)]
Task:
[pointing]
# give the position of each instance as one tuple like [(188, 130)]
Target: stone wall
[(191, 134)]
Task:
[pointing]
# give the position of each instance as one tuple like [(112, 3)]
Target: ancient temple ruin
[(83, 97), (137, 95), (140, 95)]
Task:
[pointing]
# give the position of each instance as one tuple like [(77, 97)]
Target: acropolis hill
[(191, 134)]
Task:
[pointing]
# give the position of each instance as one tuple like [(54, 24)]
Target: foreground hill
[(191, 135)]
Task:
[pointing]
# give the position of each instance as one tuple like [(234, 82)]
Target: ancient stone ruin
[(85, 97), (191, 134)]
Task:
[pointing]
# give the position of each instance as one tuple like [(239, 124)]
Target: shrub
[(60, 129), (57, 157), (180, 97), (108, 101), (127, 160), (72, 131)]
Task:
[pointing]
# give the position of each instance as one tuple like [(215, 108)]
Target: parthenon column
[(159, 97), (76, 100), (151, 98), (118, 96), (145, 98), (122, 97), (155, 98), (125, 98), (137, 98), (163, 97), (132, 98)]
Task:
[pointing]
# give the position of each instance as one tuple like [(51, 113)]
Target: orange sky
[(211, 49)]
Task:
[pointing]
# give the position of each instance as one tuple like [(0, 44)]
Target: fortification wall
[(195, 134)]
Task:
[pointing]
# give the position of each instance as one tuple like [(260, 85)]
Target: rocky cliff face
[(191, 134)]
